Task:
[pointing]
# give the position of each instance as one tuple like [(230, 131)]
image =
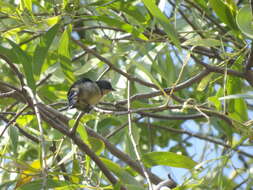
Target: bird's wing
[(73, 96)]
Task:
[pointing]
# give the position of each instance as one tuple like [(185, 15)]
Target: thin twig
[(42, 81), (42, 139), (58, 158), (97, 27), (7, 94), (22, 131), (112, 66), (178, 87), (104, 72), (111, 134), (30, 39), (62, 126), (14, 119), (73, 130), (14, 69), (199, 136), (166, 183), (10, 86), (217, 69), (133, 140)]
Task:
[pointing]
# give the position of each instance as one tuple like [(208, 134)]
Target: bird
[(85, 93)]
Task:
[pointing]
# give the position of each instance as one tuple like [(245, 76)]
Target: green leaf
[(27, 4), (224, 12), (14, 138), (129, 9), (76, 171), (81, 131), (122, 25), (215, 99), (240, 110), (52, 20), (9, 53), (163, 20), (64, 55), (202, 42), (26, 63), (97, 145), (134, 187), (89, 65), (124, 176), (168, 159), (165, 68), (129, 148), (201, 3), (204, 82), (244, 21), (216, 102), (7, 184), (147, 72), (51, 183), (234, 85), (235, 96), (42, 48)]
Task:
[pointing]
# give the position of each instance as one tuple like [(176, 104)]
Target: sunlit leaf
[(27, 4), (97, 145), (14, 138), (64, 54), (240, 110), (38, 184), (168, 159), (204, 82), (53, 20), (28, 174), (235, 96), (163, 20), (124, 176), (25, 60), (9, 54), (122, 25), (42, 48), (224, 12), (202, 42), (147, 72), (244, 21), (76, 171)]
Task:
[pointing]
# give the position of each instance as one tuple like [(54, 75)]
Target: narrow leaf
[(236, 96), (224, 12), (122, 25), (25, 60), (163, 20), (204, 82), (244, 21), (27, 4), (42, 48), (147, 72), (9, 53), (64, 54), (168, 159), (202, 42), (97, 145), (124, 176)]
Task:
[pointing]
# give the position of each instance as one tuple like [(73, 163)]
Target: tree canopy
[(183, 75)]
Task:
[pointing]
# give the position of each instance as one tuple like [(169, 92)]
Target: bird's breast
[(90, 93)]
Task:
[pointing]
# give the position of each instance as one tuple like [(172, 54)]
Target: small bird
[(85, 93)]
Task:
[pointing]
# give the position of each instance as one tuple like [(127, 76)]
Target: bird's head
[(105, 86)]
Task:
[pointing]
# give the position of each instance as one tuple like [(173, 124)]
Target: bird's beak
[(113, 89)]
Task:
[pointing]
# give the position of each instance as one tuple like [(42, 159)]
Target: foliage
[(182, 70)]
